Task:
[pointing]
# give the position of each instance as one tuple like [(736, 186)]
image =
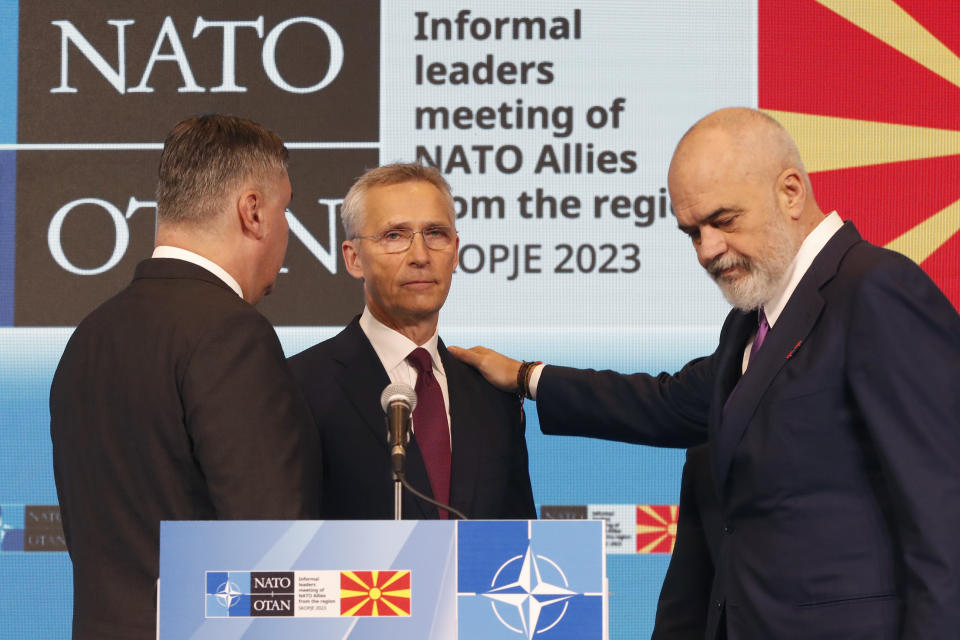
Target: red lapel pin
[(794, 350)]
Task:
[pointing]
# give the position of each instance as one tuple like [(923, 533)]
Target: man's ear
[(791, 192), (351, 258), (249, 211)]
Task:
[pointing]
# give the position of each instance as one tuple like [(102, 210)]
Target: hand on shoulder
[(498, 369)]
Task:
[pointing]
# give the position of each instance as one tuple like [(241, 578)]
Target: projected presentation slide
[(554, 123)]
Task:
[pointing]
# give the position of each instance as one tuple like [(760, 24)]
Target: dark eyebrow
[(690, 229)]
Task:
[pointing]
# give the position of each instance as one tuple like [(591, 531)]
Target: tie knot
[(420, 359), (762, 330), (762, 320)]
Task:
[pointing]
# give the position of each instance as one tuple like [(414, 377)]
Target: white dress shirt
[(809, 249), (393, 348), (165, 251)]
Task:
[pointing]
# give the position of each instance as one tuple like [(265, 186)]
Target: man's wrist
[(523, 378), (534, 380)]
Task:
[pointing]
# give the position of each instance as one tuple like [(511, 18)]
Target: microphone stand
[(397, 496), (398, 458), (403, 481)]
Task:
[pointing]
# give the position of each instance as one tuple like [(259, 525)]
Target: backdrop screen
[(553, 121)]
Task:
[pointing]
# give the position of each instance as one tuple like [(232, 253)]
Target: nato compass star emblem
[(228, 594), (540, 603), (531, 579)]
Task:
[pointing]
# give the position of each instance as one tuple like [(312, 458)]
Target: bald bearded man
[(830, 405)]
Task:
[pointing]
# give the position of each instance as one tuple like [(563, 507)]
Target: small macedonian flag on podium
[(374, 593), (656, 528)]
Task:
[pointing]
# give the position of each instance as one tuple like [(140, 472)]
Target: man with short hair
[(830, 405), (468, 448), (172, 400)]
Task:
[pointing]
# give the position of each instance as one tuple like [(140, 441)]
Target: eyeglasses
[(400, 240)]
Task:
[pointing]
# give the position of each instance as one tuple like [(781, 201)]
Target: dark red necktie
[(430, 427)]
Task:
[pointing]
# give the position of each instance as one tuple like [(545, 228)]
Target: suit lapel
[(739, 327), (787, 335), (362, 380), (466, 435), (790, 330)]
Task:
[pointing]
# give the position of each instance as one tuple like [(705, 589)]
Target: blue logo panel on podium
[(228, 594), (530, 579)]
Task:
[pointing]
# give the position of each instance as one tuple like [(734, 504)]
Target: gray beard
[(765, 274)]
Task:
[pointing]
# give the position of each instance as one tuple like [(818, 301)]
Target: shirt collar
[(809, 249), (166, 251), (393, 347)]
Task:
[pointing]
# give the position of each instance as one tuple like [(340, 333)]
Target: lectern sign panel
[(370, 580)]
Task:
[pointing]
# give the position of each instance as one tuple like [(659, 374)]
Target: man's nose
[(418, 251), (712, 244)]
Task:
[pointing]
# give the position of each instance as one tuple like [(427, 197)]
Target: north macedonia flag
[(374, 593), (871, 93), (656, 528)]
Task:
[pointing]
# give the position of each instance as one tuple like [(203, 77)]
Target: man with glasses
[(467, 449)]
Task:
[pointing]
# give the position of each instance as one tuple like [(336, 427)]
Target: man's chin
[(420, 308), (736, 296)]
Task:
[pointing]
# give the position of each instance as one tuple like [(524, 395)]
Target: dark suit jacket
[(836, 459), (342, 379), (172, 401), (685, 596)]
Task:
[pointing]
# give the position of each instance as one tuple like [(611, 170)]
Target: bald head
[(752, 145), (740, 191)]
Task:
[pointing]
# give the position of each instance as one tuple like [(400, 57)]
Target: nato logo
[(12, 527), (530, 580), (228, 594)]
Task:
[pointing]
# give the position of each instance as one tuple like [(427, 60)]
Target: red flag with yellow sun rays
[(871, 93), (656, 528), (374, 593)]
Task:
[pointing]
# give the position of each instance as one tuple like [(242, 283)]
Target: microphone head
[(401, 392)]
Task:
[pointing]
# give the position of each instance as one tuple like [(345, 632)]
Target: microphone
[(398, 401)]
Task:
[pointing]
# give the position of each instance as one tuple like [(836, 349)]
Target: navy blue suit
[(342, 379), (837, 460), (684, 603)]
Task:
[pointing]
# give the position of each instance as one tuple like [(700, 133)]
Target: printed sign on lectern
[(370, 580)]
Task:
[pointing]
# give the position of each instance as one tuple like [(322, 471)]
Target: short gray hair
[(207, 156), (352, 211)]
